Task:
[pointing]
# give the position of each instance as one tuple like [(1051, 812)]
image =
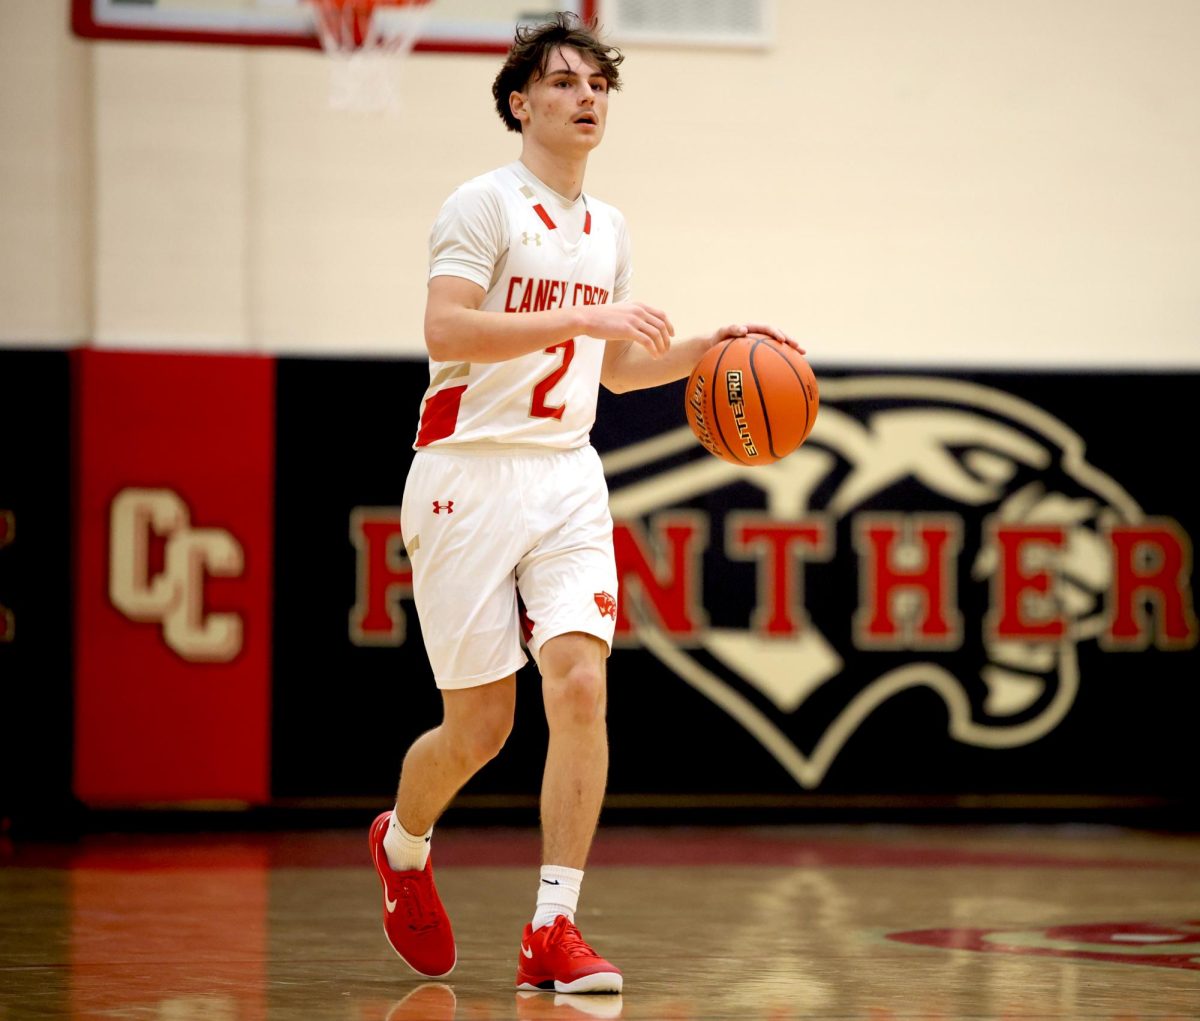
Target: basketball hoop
[(367, 41)]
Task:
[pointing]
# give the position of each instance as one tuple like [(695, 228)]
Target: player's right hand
[(631, 321)]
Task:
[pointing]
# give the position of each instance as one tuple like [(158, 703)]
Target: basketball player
[(505, 512)]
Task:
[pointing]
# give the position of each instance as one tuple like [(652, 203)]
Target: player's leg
[(465, 592), (463, 551), (573, 691), (475, 724), (569, 585), (553, 953)]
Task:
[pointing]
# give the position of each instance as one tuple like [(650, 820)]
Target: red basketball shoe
[(414, 920), (556, 957)]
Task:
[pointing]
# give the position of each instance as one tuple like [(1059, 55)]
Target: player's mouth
[(588, 118)]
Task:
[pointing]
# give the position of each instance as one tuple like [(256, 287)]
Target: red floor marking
[(1113, 942)]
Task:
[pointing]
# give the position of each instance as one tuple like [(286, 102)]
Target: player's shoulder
[(496, 185), (487, 191)]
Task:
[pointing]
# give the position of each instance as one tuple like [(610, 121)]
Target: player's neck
[(564, 174)]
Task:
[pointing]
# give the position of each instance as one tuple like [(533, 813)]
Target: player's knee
[(480, 741), (477, 721), (575, 699)]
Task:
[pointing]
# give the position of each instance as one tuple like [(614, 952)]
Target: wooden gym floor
[(829, 924)]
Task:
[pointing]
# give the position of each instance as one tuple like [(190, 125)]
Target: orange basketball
[(751, 400)]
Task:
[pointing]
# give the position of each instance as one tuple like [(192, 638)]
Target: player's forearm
[(472, 335), (637, 369)]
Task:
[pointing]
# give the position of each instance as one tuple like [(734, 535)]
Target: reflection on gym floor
[(870, 923)]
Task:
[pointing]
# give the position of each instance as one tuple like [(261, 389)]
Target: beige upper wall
[(929, 182), (45, 152)]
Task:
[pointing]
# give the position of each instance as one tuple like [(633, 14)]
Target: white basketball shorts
[(479, 528)]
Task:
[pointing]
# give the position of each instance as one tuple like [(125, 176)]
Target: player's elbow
[(615, 376), (437, 347), (442, 340), (615, 383)]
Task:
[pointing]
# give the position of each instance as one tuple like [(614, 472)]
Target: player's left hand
[(755, 329)]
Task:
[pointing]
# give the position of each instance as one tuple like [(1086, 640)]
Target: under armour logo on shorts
[(448, 507)]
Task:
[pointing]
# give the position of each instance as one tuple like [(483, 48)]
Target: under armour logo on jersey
[(448, 507), (528, 239), (606, 604)]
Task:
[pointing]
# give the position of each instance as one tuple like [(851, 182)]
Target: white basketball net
[(367, 41)]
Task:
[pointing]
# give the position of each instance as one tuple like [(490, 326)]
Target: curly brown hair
[(531, 49)]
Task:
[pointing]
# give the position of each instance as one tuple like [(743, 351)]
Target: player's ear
[(519, 106)]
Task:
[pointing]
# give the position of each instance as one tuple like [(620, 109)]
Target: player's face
[(567, 107)]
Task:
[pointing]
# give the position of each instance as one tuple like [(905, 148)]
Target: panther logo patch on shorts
[(606, 604)]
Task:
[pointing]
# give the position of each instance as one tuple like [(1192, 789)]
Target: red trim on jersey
[(440, 415), (587, 223), (541, 211)]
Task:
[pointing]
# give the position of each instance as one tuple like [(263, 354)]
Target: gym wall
[(982, 222)]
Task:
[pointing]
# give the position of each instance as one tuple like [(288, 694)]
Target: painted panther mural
[(931, 533)]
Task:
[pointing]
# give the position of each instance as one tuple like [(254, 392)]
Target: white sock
[(558, 894), (405, 852)]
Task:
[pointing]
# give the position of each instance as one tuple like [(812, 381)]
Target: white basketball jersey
[(502, 231)]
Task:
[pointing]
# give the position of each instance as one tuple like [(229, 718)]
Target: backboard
[(454, 26)]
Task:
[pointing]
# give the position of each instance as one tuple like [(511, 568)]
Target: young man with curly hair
[(505, 512)]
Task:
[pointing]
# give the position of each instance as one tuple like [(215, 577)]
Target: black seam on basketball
[(713, 396), (762, 401), (803, 389)]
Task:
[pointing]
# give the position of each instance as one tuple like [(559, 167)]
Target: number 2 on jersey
[(538, 407)]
